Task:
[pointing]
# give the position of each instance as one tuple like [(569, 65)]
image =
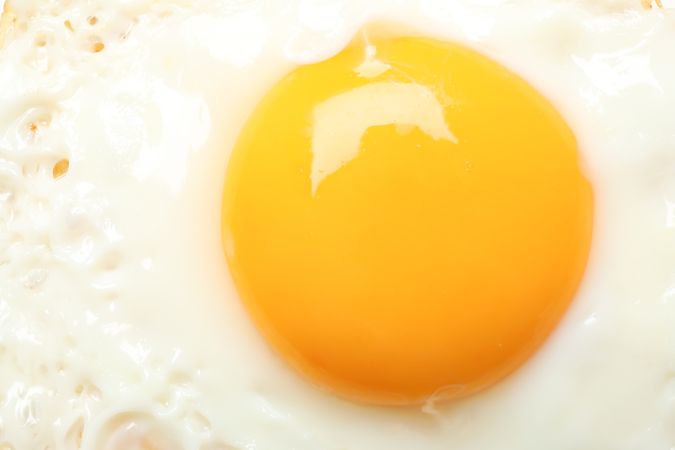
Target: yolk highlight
[(406, 219)]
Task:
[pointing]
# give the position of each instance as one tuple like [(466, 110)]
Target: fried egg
[(234, 224)]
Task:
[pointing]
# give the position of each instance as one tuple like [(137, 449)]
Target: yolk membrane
[(407, 219)]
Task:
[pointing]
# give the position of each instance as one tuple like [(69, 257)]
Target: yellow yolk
[(406, 219)]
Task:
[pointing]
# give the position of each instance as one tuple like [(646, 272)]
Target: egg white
[(118, 321)]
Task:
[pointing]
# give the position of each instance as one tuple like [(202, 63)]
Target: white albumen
[(119, 326)]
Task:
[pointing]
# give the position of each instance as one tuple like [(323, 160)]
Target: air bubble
[(60, 168), (40, 41), (97, 47), (198, 423), (163, 399), (35, 121), (94, 393)]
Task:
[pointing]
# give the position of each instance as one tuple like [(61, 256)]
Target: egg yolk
[(406, 220)]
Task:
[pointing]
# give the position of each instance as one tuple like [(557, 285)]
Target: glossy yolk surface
[(406, 219)]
